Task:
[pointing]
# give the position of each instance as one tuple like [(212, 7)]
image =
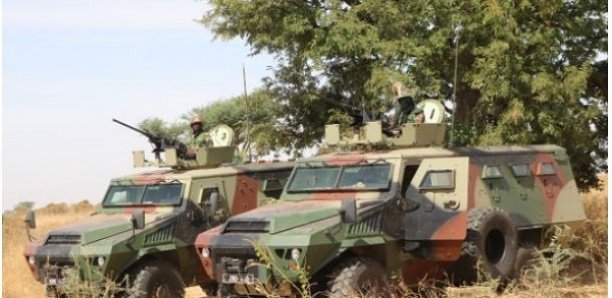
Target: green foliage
[(526, 70), (25, 205), (158, 127), (267, 259), (262, 112)]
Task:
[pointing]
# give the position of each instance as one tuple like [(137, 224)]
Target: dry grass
[(17, 280), (590, 270)]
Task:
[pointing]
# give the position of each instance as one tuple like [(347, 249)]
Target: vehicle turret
[(175, 154), (406, 135)]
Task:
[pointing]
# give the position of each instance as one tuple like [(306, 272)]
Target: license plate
[(230, 278), (54, 281)]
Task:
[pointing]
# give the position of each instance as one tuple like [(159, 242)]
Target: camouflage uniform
[(200, 140), (412, 117), (405, 102)]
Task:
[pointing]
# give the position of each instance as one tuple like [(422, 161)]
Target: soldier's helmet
[(195, 120)]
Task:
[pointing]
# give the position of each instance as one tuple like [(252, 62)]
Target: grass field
[(584, 276)]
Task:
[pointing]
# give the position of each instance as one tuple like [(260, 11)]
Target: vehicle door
[(437, 200)]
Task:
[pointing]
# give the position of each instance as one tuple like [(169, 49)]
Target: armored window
[(155, 194), (546, 168), (274, 184), (438, 180), (491, 172), (361, 176), (520, 170), (273, 188), (206, 193)]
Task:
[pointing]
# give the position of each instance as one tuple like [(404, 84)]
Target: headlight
[(31, 260), (100, 261), (295, 254), (205, 252)]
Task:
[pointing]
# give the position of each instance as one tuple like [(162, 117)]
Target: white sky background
[(70, 66)]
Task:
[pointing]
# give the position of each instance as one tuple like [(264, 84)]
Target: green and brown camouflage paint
[(169, 231), (407, 228)]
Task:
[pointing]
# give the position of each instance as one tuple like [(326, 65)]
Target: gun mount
[(176, 154), (204, 158), (430, 133)]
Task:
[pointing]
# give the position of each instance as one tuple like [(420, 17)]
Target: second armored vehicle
[(349, 219)]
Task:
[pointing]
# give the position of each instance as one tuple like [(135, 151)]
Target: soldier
[(405, 103), (200, 138), (417, 116)]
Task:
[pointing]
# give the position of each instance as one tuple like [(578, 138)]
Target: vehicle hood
[(284, 216), (100, 226)]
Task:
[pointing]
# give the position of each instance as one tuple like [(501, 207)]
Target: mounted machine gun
[(160, 143)]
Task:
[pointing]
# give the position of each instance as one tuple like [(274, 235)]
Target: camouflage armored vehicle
[(144, 231), (351, 219)]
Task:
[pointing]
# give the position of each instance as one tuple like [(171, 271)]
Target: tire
[(356, 274), (156, 280), (491, 242)]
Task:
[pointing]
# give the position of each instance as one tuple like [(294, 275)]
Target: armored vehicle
[(142, 236), (408, 209)]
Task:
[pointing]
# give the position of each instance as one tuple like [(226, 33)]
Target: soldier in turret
[(405, 103), (416, 116), (200, 138)]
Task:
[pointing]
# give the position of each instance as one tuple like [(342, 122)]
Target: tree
[(261, 110), (522, 70), (25, 205)]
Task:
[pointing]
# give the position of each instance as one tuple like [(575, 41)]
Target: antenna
[(248, 118), (451, 141)]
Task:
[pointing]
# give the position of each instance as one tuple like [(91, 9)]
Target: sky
[(70, 66)]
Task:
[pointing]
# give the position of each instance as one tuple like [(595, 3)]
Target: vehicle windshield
[(359, 177), (157, 194)]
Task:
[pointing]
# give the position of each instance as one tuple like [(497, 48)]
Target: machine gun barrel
[(142, 132), (160, 142)]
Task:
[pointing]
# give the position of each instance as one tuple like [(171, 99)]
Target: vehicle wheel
[(356, 274), (491, 242), (156, 280)]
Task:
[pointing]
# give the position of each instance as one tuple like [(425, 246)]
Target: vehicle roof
[(429, 152), (170, 174)]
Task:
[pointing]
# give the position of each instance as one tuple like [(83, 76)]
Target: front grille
[(247, 226), (247, 252), (370, 225), (63, 239), (163, 234), (53, 269)]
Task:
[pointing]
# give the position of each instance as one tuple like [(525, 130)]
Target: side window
[(442, 179), (520, 170), (205, 198), (491, 172), (546, 168), (273, 187)]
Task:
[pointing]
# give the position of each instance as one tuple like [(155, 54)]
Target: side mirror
[(138, 219), (213, 203), (30, 219), (348, 211)]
